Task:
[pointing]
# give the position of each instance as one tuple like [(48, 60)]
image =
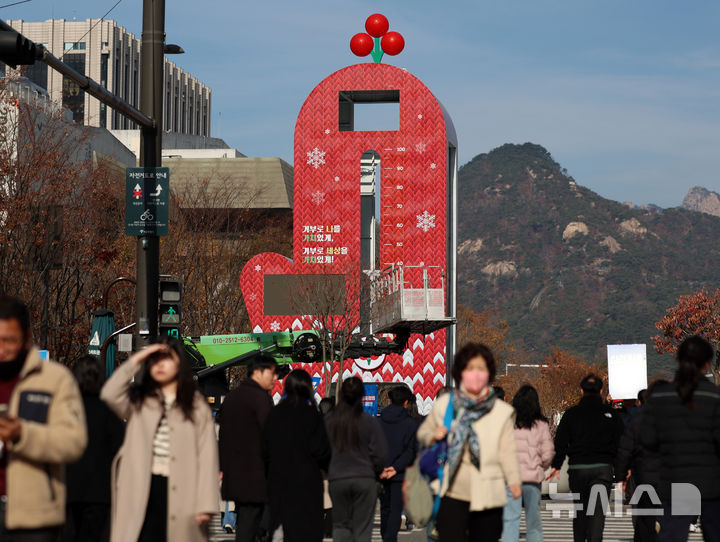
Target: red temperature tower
[(383, 201)]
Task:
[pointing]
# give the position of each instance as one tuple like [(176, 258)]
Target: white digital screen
[(627, 370)]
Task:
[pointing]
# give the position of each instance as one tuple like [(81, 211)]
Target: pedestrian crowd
[(139, 457)]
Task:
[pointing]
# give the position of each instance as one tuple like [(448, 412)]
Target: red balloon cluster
[(362, 44)]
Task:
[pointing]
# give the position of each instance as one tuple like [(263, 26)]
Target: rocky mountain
[(567, 268), (702, 200)]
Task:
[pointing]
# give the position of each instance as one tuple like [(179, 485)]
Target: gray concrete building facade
[(109, 54)]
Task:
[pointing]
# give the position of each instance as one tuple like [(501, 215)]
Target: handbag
[(421, 502)]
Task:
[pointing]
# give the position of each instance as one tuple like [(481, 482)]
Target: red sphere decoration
[(361, 44), (392, 43), (376, 25)]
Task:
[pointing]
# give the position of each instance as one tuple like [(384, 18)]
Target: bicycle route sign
[(147, 200)]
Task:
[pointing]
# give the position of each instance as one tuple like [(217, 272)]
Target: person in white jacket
[(482, 460), (535, 451)]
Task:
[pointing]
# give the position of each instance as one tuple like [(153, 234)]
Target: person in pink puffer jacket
[(535, 451)]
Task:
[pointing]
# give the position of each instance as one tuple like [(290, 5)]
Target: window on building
[(74, 46), (135, 84), (73, 95), (205, 120), (198, 128), (183, 112), (116, 89), (38, 74), (175, 119), (104, 69), (126, 93), (116, 76), (191, 118), (126, 86), (168, 106)]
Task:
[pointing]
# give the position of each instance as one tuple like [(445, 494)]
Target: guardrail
[(402, 296)]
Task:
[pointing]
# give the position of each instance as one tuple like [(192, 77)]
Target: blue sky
[(624, 94)]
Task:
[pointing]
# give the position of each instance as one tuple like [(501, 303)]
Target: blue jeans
[(230, 518), (511, 514)]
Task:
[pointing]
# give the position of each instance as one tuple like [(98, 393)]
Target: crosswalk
[(555, 529), (617, 529)]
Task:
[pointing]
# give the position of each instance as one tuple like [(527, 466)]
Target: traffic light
[(170, 307), (16, 49)]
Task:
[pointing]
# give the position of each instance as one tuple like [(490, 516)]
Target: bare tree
[(62, 236), (330, 304), (60, 211), (214, 231)]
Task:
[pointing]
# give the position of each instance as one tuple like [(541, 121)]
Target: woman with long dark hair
[(681, 420), (359, 455), (535, 451), (164, 477), (482, 458), (296, 449)]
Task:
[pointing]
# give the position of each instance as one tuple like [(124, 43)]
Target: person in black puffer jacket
[(682, 422), (633, 457), (400, 429), (588, 434)]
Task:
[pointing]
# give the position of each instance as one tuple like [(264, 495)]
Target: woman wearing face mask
[(482, 458)]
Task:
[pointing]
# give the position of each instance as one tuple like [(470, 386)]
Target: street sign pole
[(148, 246)]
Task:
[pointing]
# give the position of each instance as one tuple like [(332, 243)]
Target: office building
[(110, 55)]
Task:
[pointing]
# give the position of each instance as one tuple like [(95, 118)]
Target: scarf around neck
[(463, 432)]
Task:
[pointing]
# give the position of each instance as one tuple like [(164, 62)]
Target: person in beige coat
[(42, 428), (164, 478), (482, 458)]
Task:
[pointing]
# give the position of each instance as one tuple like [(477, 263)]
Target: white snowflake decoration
[(275, 326), (425, 221), (327, 131), (316, 157), (433, 165), (337, 179), (318, 197), (252, 297), (420, 116), (258, 267), (420, 147)]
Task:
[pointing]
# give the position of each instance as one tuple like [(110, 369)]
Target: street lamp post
[(151, 101)]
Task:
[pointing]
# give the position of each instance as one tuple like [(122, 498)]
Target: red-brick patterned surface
[(326, 236)]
